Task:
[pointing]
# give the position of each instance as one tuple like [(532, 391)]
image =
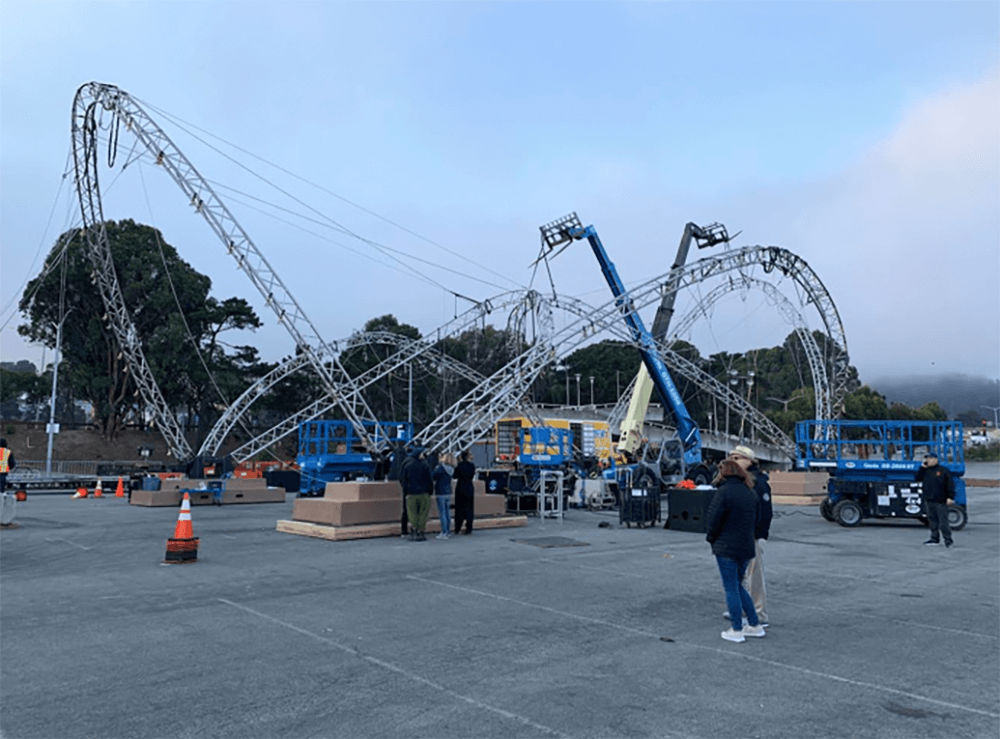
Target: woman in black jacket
[(731, 521)]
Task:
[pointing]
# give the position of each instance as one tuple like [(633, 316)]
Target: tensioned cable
[(177, 122), (41, 243), (295, 199), (187, 328), (177, 302), (376, 244)]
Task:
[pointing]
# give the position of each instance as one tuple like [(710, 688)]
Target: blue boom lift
[(689, 461), (330, 451), (873, 465)]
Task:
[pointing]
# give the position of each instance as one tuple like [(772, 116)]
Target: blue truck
[(872, 466), (331, 451)]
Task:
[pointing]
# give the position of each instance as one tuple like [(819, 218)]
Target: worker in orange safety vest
[(7, 463)]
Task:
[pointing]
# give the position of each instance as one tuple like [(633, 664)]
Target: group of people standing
[(422, 474)]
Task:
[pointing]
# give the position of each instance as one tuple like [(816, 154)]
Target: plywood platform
[(376, 530), (798, 499)]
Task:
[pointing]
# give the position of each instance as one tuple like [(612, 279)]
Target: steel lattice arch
[(530, 315)]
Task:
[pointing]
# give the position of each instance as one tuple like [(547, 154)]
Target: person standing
[(418, 485), (754, 578), (465, 473), (442, 490), (938, 494), (7, 463), (730, 524), (400, 461)]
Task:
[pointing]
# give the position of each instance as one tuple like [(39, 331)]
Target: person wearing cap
[(938, 493), (729, 526), (753, 580)]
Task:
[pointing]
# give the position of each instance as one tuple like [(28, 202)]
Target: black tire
[(847, 513), (700, 475), (826, 510), (957, 517)]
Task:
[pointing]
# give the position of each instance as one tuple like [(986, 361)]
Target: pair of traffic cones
[(99, 490), (183, 547)]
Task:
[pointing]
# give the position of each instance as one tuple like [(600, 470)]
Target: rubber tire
[(700, 476), (847, 513), (826, 510), (957, 517)]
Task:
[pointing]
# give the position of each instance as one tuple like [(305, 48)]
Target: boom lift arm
[(570, 229), (631, 427)]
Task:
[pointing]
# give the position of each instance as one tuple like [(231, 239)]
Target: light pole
[(52, 401), (996, 421), (577, 375), (591, 389), (734, 379), (564, 368)]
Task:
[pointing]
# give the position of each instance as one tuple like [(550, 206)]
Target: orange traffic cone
[(120, 490), (80, 493), (98, 491), (183, 547)]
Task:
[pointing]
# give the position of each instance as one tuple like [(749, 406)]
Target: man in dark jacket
[(730, 524), (754, 579), (397, 470), (465, 473), (938, 493), (418, 485)]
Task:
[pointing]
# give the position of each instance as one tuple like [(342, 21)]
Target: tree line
[(199, 350)]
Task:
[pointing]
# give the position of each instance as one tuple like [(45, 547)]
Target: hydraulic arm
[(631, 427), (570, 229)]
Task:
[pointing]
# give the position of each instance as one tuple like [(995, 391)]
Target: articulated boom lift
[(631, 427), (568, 229)]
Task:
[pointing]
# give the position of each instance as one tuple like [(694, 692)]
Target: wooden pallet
[(798, 499), (376, 530)]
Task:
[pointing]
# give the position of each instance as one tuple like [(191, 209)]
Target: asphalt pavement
[(557, 629)]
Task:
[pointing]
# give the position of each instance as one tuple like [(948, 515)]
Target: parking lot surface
[(557, 629)]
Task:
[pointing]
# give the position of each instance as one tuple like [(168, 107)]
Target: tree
[(169, 304)]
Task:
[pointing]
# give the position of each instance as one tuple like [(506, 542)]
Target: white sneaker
[(730, 635), (441, 536), (754, 630)]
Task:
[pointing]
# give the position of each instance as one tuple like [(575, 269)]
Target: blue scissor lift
[(873, 465)]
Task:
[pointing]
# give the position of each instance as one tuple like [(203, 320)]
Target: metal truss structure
[(91, 101), (530, 316), (523, 306)]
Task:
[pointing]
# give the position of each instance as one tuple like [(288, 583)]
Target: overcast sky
[(863, 137)]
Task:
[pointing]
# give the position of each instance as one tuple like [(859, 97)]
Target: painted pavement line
[(400, 671), (727, 653), (72, 543), (900, 621)]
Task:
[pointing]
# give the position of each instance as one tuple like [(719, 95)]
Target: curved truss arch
[(520, 303), (93, 98)]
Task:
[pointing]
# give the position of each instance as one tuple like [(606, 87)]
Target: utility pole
[(591, 389), (577, 389), (996, 421), (52, 400)]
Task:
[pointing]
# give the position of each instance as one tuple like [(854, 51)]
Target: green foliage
[(983, 453), (94, 368)]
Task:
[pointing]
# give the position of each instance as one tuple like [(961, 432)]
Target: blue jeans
[(737, 597), (444, 506)]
